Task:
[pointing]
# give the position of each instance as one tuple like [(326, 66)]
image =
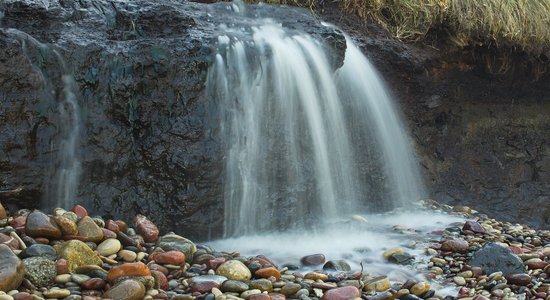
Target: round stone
[(342, 293), (268, 272), (40, 225), (127, 289), (68, 226), (458, 280), (127, 255), (109, 247), (235, 270), (89, 230), (40, 271), (263, 285), (420, 288), (128, 269), (313, 259), (56, 293), (378, 284), (518, 279), (290, 288), (235, 286)]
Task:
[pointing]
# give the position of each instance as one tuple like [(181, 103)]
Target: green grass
[(518, 24)]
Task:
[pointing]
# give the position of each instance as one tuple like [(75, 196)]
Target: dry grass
[(521, 24), (524, 24)]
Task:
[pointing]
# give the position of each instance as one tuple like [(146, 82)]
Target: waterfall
[(62, 184), (295, 129)]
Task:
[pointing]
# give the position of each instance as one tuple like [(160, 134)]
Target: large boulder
[(494, 257)]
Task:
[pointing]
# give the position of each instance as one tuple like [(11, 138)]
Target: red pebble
[(215, 263), (170, 257), (156, 267), (112, 226), (108, 234), (9, 241), (516, 250), (19, 223), (122, 225), (22, 296), (80, 211), (160, 279), (204, 286), (93, 284), (62, 266), (146, 228), (42, 240)]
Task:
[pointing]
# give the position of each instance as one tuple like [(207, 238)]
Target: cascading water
[(63, 184), (295, 128)]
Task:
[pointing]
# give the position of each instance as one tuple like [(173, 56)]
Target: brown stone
[(22, 296), (39, 224), (159, 268), (68, 227), (108, 234), (122, 225), (518, 279), (204, 286), (89, 230), (3, 213), (313, 260), (62, 266), (128, 269), (536, 263), (127, 289), (169, 257), (473, 226), (93, 284), (457, 246), (12, 270), (146, 228), (261, 296), (112, 226), (342, 293), (268, 272), (277, 296), (160, 279)]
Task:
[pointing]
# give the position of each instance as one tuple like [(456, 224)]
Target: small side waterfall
[(295, 127), (54, 73)]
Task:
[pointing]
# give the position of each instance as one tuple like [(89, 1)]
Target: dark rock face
[(149, 143), (478, 118)]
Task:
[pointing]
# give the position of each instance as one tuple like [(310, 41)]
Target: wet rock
[(127, 289), (473, 226), (235, 270), (39, 224), (109, 247), (93, 284), (170, 257), (9, 241), (3, 213), (40, 271), (146, 228), (313, 260), (420, 288), (263, 285), (128, 269), (337, 265), (77, 254), (290, 288), (68, 227), (56, 293), (175, 242), (204, 286), (316, 276), (268, 272), (261, 296), (388, 253), (89, 230), (39, 250), (12, 270), (401, 259), (455, 245), (518, 279), (236, 286), (378, 284), (161, 281), (493, 258), (342, 293)]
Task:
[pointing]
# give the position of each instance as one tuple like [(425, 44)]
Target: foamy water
[(352, 240)]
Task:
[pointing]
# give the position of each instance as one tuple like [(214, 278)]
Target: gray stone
[(493, 258), (39, 250), (40, 271)]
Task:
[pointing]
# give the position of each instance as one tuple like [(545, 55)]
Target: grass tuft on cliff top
[(522, 24)]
